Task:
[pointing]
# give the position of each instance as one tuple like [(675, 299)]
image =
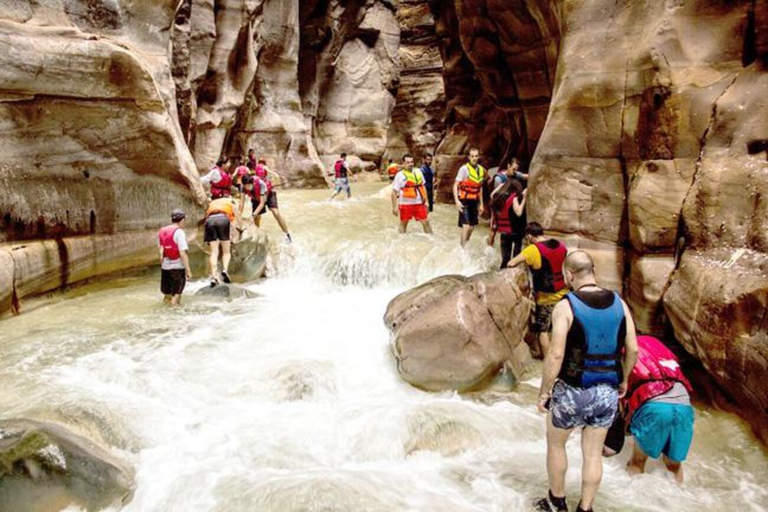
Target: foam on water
[(291, 401)]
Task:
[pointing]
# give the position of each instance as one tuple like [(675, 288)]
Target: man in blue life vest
[(593, 350)]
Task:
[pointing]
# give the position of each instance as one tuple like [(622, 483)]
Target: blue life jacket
[(595, 343)]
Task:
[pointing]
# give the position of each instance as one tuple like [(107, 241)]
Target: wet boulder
[(45, 467), (226, 292), (458, 333), (249, 255)]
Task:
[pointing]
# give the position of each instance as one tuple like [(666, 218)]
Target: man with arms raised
[(593, 351)]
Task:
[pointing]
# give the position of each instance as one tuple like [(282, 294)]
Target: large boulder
[(45, 467), (458, 333), (249, 255), (226, 291)]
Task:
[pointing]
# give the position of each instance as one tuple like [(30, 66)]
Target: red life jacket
[(655, 372), (503, 218), (339, 169), (549, 278), (255, 192), (261, 172), (223, 187), (170, 248)]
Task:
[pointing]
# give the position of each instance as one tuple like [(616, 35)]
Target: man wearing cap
[(174, 261)]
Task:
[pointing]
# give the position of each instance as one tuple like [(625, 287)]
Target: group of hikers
[(599, 376)]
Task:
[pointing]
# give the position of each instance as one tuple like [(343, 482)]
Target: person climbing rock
[(264, 173), (392, 169), (594, 349), (341, 174), (508, 209), (409, 196), (219, 179), (511, 170), (658, 408), (429, 179), (255, 190), (251, 162), (174, 259), (468, 194), (219, 217), (544, 256)]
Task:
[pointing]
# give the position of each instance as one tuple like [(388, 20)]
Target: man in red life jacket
[(544, 257), (341, 174), (255, 189), (658, 409), (174, 261), (263, 172), (468, 194), (220, 179), (409, 196)]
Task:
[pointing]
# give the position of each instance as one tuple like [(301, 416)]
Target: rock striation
[(457, 333)]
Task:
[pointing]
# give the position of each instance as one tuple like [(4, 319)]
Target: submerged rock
[(457, 333), (45, 467), (226, 291)]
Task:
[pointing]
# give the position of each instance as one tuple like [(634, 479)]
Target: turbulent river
[(291, 401)]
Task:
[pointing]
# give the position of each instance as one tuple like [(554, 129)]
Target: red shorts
[(413, 211)]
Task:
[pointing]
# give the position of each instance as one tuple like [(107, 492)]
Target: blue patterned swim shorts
[(579, 407)]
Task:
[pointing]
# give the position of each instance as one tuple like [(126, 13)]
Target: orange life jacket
[(414, 185), (223, 205), (470, 188), (392, 170)]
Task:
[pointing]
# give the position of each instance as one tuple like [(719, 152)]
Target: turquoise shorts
[(659, 428)]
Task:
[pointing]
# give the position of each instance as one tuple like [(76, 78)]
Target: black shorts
[(255, 204), (172, 281), (217, 228), (469, 214), (271, 200)]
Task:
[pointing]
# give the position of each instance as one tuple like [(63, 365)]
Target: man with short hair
[(544, 257), (341, 175), (174, 259), (468, 194), (594, 349), (409, 196), (510, 171), (219, 179), (429, 179)]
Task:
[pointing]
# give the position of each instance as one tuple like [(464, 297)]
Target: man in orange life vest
[(174, 261), (409, 196), (392, 169), (220, 179), (594, 349), (544, 257), (658, 408), (219, 216), (468, 194)]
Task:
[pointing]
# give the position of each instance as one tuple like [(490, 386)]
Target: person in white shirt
[(174, 259), (409, 196)]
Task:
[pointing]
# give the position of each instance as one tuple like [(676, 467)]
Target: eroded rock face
[(44, 467), (457, 333)]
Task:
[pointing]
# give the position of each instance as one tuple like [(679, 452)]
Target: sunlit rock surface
[(457, 333)]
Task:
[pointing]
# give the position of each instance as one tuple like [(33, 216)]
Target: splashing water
[(291, 401)]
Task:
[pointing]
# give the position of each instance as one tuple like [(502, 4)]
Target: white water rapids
[(291, 401)]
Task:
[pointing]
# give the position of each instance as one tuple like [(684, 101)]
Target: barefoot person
[(544, 257), (341, 176), (219, 179), (174, 259), (264, 173), (594, 349), (409, 196), (219, 217), (468, 194), (658, 407)]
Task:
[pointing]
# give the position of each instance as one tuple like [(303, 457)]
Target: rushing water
[(291, 402)]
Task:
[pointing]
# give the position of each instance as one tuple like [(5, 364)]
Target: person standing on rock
[(174, 259), (429, 179), (508, 209), (658, 408), (468, 194), (341, 176), (544, 257), (409, 196), (594, 349), (263, 172), (219, 179), (219, 217)]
